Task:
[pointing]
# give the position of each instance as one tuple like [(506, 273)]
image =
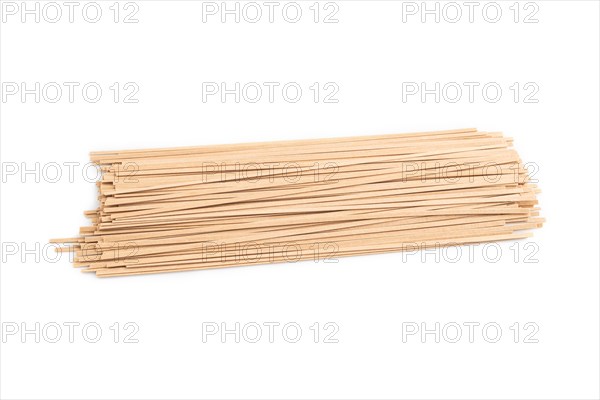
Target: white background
[(369, 53)]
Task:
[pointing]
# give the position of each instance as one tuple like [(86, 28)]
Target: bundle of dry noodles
[(187, 208)]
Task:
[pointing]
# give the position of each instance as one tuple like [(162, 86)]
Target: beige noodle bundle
[(187, 208)]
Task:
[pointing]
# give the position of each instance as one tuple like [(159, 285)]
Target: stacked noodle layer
[(189, 208)]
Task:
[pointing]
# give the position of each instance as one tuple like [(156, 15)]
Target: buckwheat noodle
[(189, 208)]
